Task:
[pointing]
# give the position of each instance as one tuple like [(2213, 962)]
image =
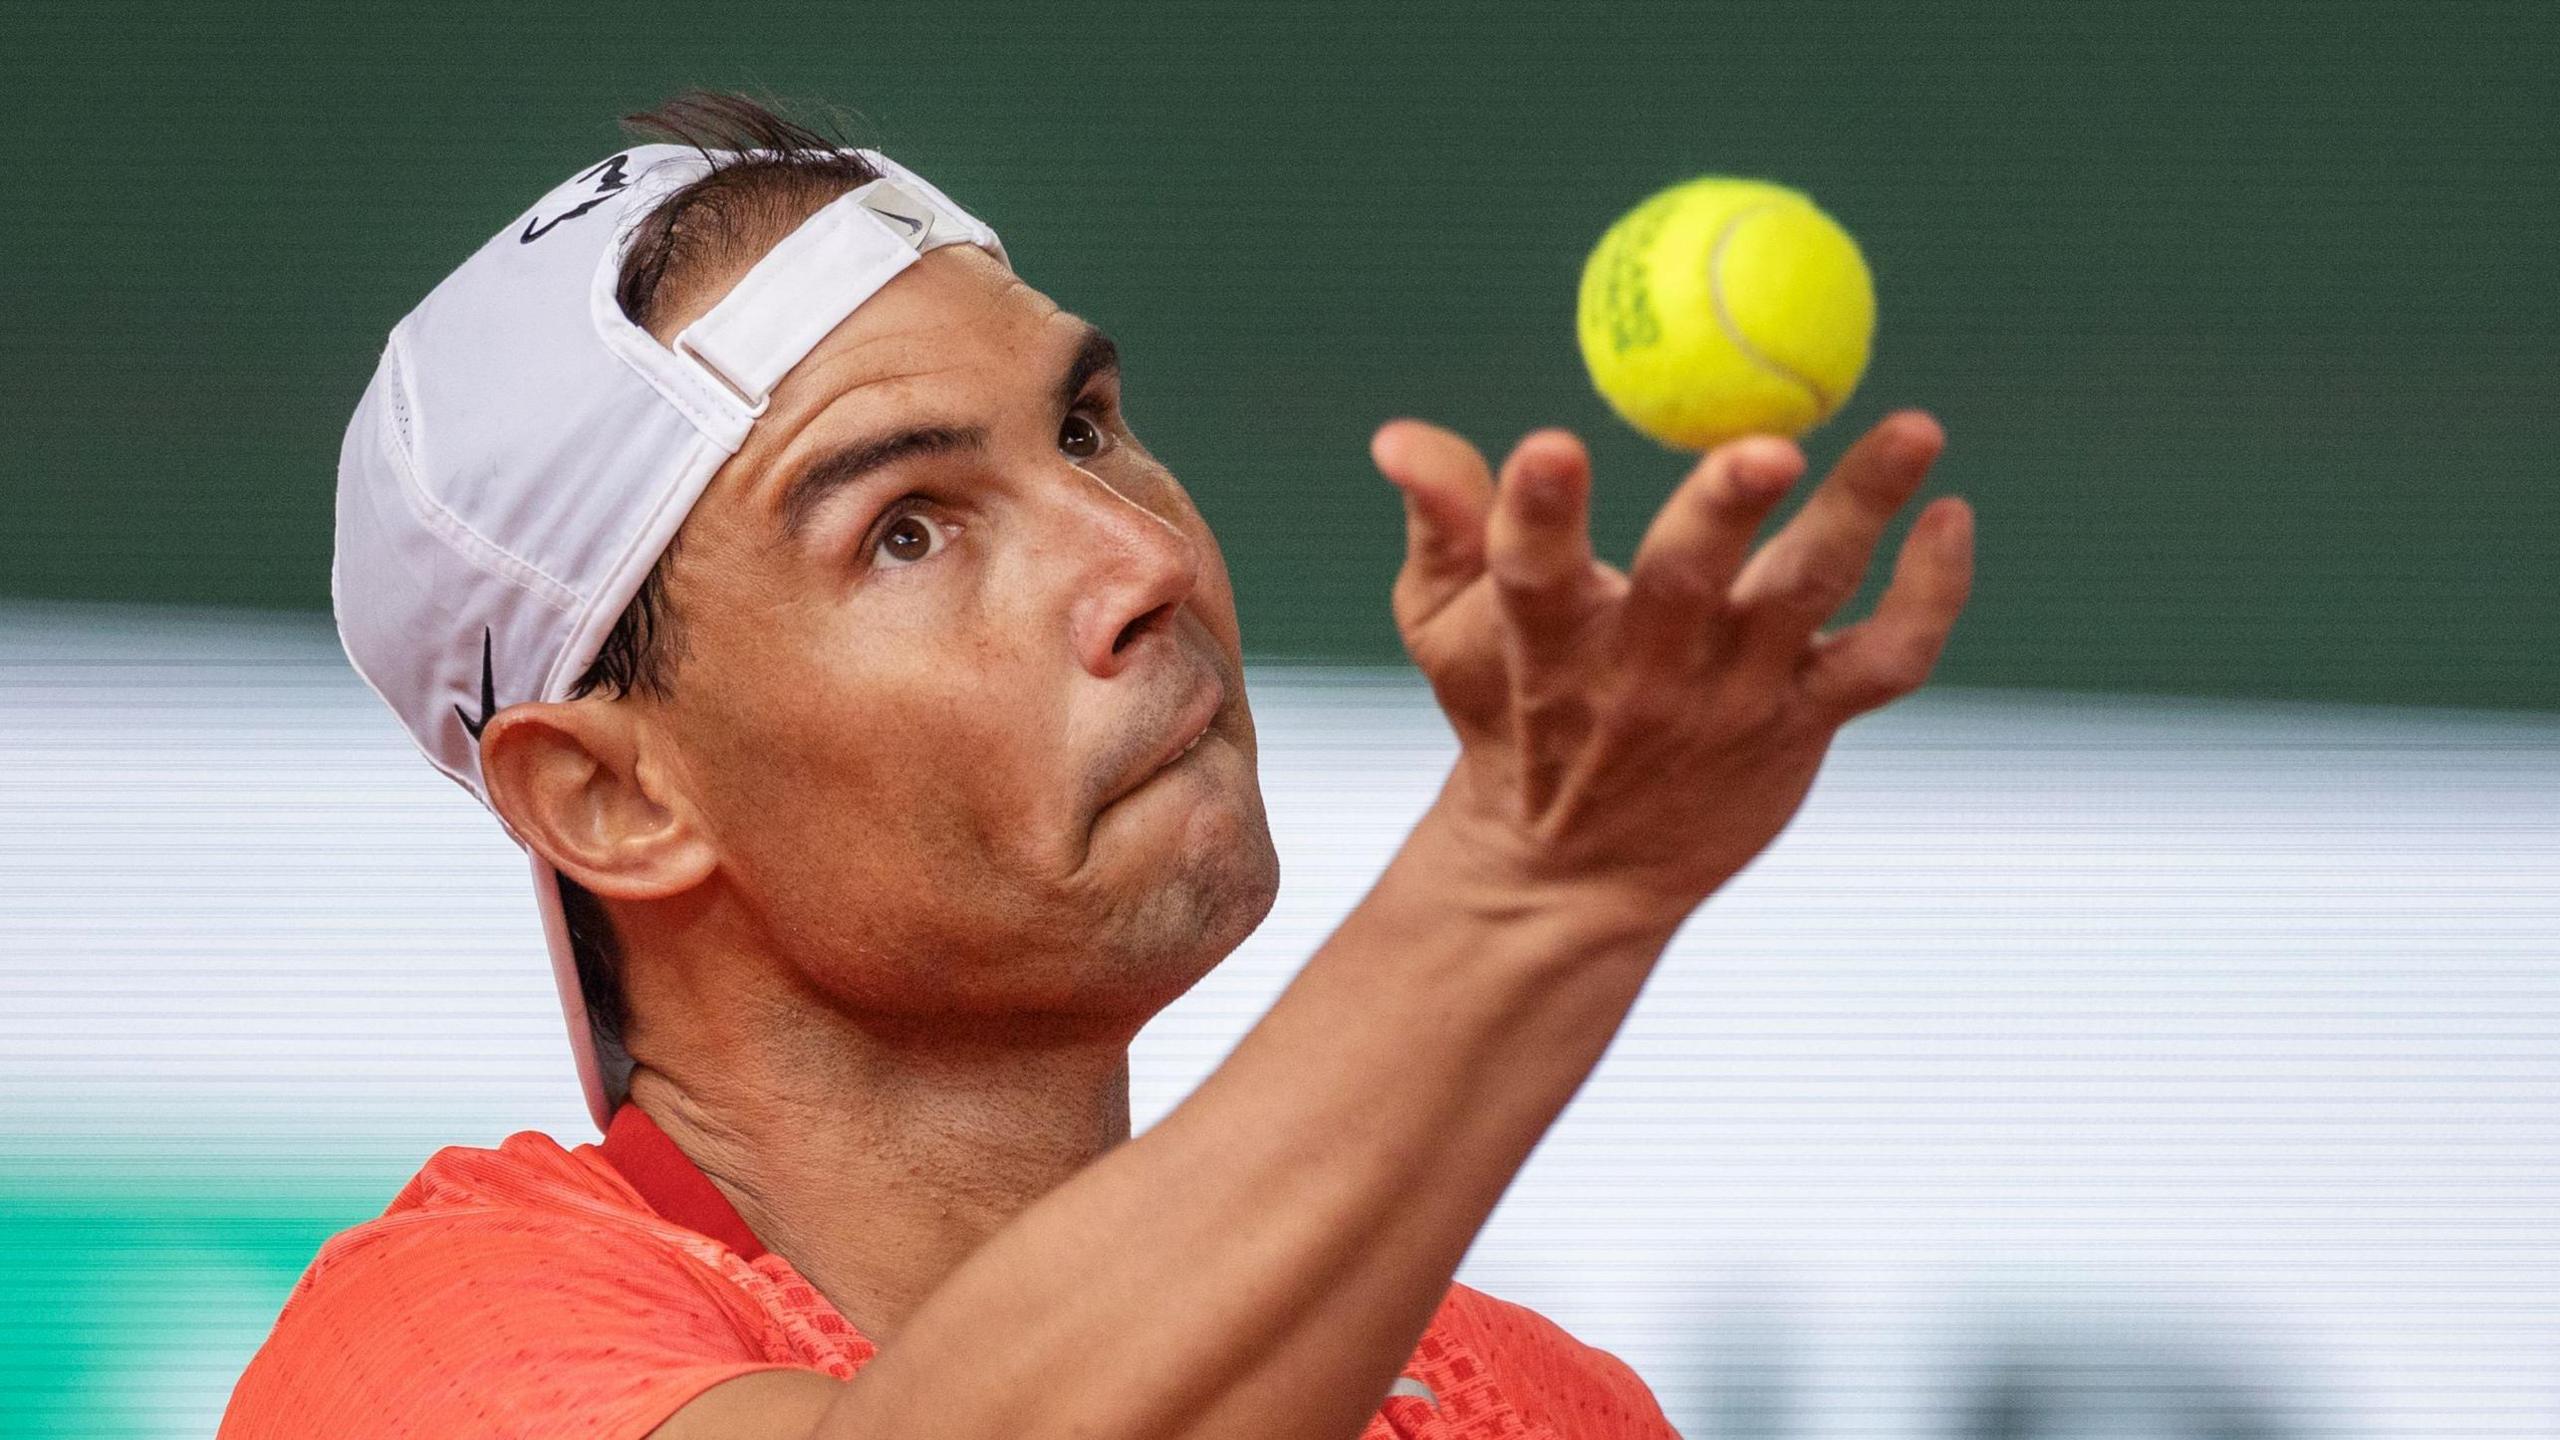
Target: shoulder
[(528, 1171), (526, 1223), (1573, 1388), (524, 1283)]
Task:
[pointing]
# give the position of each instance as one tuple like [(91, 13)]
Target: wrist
[(1480, 868)]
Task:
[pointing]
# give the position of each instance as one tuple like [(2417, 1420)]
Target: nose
[(1135, 568)]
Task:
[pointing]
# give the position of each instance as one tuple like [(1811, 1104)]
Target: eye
[(1081, 437), (908, 538)]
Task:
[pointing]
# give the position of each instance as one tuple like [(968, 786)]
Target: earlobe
[(567, 777)]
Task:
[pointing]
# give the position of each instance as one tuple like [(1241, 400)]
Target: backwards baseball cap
[(525, 453)]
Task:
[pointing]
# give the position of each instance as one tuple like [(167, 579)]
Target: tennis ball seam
[(1724, 316)]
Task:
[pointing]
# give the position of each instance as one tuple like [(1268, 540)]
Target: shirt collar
[(672, 1185)]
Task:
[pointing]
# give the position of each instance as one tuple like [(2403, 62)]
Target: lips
[(1197, 717), (1191, 726)]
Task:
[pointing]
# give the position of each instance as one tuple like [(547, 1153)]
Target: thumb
[(1448, 493)]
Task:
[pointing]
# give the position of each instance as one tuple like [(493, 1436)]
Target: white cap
[(525, 452)]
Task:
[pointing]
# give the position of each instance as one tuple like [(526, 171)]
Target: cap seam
[(625, 578), (483, 553), (416, 741)]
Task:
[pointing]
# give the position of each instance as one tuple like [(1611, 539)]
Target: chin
[(1250, 883), (1232, 862), (1204, 900), (1216, 890)]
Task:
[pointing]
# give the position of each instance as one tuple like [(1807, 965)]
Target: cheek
[(816, 752)]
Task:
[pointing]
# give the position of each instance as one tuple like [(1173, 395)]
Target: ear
[(576, 780)]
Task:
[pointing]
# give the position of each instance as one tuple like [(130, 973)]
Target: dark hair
[(768, 174)]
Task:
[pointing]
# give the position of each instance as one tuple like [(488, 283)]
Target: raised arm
[(1262, 1262)]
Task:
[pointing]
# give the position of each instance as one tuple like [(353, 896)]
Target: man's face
[(947, 627)]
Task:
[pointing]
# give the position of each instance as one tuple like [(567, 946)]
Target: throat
[(876, 1189)]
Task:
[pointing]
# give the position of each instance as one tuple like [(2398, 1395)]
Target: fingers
[(1447, 494), (1890, 653), (1686, 563), (1538, 544), (1811, 568)]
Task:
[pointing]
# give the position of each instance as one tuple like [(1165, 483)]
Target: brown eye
[(1080, 437), (909, 538)]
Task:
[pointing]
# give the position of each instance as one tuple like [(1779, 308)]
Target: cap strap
[(819, 274)]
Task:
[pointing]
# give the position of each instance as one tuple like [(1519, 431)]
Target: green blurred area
[(2240, 318), (125, 1316)]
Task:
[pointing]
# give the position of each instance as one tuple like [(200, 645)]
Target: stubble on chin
[(1210, 900)]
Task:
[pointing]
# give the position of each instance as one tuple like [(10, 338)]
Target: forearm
[(1262, 1261), (1476, 1117)]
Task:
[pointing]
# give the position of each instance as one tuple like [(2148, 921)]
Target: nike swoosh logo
[(488, 693), (914, 227)]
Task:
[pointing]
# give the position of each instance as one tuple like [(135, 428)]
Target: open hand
[(1647, 733)]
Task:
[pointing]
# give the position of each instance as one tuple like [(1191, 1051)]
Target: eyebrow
[(1096, 354), (844, 465)]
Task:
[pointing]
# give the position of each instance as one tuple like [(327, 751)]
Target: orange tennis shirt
[(532, 1292)]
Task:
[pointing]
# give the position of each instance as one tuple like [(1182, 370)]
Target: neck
[(874, 1161)]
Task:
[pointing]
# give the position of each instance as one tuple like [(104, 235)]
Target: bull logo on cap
[(608, 177)]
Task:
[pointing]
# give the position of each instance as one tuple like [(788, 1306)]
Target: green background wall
[(2242, 319)]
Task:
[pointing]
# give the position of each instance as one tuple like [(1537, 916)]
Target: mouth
[(1196, 720)]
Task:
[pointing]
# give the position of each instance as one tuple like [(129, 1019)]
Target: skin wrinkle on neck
[(873, 1203)]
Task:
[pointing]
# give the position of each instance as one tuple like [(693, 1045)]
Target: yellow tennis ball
[(1724, 307)]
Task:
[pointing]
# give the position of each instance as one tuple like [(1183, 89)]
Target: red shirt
[(536, 1292)]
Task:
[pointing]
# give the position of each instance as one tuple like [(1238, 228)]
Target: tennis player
[(785, 574)]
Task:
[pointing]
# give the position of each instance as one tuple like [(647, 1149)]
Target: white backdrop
[(2197, 1060)]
